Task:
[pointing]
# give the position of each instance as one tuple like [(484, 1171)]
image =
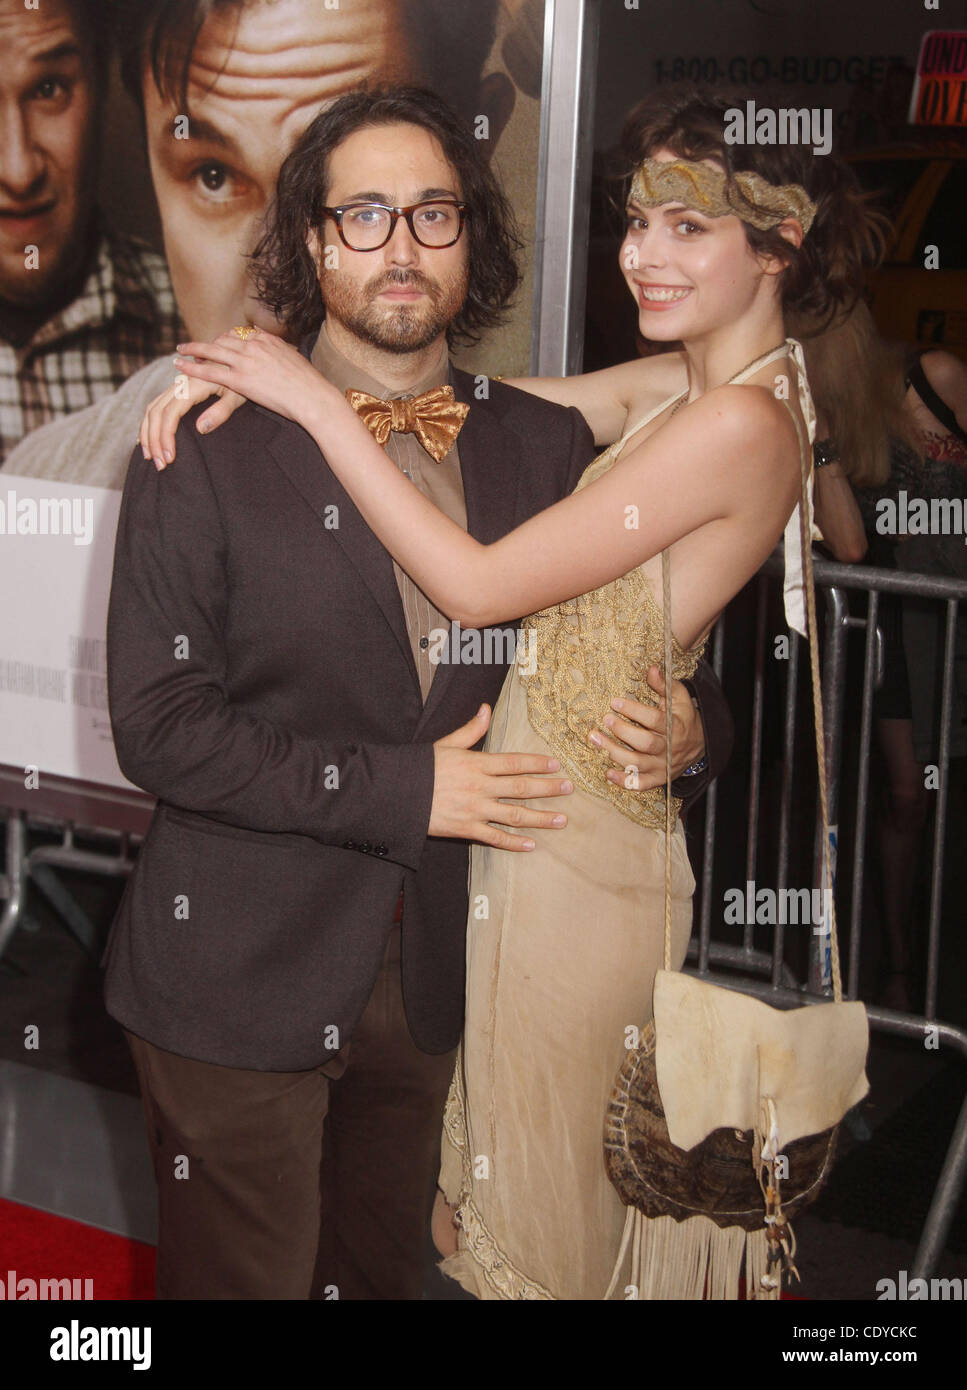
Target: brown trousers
[(297, 1185)]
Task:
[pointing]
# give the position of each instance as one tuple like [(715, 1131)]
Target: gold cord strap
[(807, 557), (666, 603), (806, 541)]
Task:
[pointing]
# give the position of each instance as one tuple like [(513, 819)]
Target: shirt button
[(424, 643), (407, 474)]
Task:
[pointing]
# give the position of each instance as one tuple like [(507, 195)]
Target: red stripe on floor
[(36, 1245)]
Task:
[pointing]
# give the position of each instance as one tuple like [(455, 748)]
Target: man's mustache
[(404, 280)]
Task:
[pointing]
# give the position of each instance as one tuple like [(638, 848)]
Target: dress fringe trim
[(693, 1259)]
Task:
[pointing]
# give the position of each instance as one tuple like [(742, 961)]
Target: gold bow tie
[(435, 418)]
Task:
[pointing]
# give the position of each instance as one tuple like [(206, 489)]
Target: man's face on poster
[(258, 76), (47, 143)]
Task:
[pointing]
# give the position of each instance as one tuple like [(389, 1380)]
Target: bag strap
[(666, 612), (805, 531)]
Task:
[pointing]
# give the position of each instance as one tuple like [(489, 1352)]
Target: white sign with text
[(56, 555)]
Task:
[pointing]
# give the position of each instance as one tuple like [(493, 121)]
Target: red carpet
[(35, 1245)]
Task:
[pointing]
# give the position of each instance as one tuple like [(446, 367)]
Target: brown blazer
[(262, 687)]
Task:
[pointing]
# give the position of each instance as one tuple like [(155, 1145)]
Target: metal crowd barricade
[(766, 974), (114, 818)]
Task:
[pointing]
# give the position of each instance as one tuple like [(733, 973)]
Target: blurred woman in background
[(889, 422)]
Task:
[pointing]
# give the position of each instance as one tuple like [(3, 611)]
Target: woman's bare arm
[(730, 459), (720, 462), (837, 514), (615, 396), (608, 400)]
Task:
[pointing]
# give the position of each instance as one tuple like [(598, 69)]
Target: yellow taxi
[(924, 191)]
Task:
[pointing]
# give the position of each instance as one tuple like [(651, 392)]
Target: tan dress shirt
[(441, 482)]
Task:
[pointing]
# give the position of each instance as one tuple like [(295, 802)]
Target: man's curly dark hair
[(285, 273)]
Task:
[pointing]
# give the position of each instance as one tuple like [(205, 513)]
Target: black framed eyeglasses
[(435, 223)]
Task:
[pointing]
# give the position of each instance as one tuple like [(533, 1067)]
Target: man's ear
[(790, 229), (496, 101)]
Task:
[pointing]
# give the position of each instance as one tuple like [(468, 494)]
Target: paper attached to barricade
[(56, 556)]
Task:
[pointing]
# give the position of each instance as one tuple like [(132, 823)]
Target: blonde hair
[(857, 382)]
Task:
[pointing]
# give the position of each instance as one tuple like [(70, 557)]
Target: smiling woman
[(820, 278)]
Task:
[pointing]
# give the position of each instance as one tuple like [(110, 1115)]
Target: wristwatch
[(700, 766)]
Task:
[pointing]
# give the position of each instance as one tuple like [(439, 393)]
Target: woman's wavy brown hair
[(825, 276), (857, 382), (285, 273)]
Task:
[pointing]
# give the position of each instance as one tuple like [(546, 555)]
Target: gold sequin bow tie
[(434, 417)]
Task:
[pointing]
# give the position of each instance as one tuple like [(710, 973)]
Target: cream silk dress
[(563, 945)]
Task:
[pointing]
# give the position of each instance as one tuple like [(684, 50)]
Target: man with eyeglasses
[(288, 960)]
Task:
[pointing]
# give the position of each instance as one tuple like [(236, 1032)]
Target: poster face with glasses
[(130, 203)]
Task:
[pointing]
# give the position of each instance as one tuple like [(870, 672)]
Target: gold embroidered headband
[(707, 190)]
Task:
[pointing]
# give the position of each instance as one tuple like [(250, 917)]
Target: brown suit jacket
[(263, 688)]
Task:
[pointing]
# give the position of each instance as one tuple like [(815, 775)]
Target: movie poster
[(129, 229)]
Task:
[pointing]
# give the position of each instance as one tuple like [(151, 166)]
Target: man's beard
[(399, 327)]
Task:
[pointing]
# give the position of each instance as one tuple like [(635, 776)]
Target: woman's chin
[(656, 329)]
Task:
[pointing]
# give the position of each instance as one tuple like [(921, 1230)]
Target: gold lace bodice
[(588, 651), (601, 645)]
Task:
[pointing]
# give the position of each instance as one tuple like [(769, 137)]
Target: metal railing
[(115, 818), (768, 974)]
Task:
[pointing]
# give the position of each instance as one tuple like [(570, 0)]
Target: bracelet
[(824, 452), (695, 768)]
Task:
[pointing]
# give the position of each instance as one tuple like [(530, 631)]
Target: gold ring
[(245, 331)]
